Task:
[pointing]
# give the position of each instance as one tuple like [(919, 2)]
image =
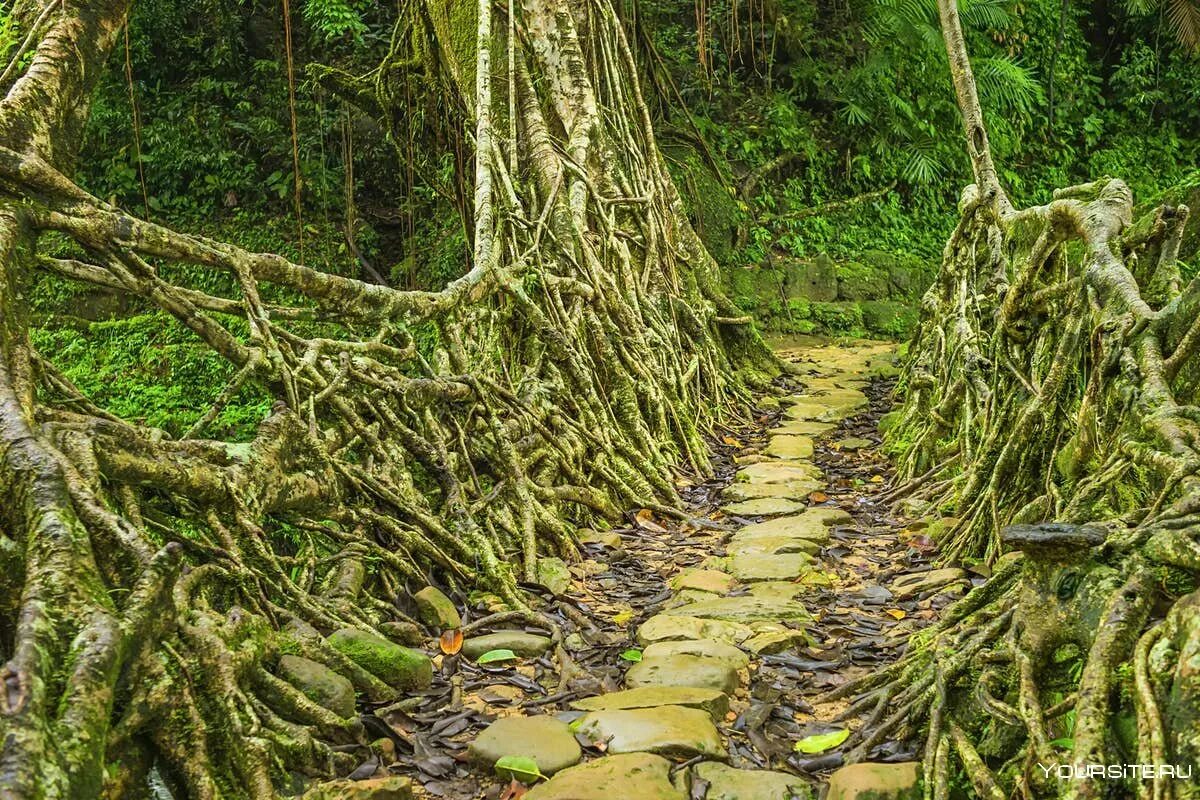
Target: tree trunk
[(150, 584)]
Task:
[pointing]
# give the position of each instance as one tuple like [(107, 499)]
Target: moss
[(396, 666), (889, 318), (707, 200), (858, 281), (455, 24)]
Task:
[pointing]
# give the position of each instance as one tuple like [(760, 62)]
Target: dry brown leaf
[(515, 791), (818, 497), (451, 641), (645, 521)]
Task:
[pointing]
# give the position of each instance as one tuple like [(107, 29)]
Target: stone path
[(734, 620)]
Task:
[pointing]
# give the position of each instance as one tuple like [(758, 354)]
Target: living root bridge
[(1053, 377), (149, 584)]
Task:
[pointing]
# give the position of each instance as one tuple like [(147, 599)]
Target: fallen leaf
[(645, 521), (876, 479), (632, 654), (895, 613), (732, 442), (494, 656), (519, 768), (821, 742), (623, 617), (818, 497), (451, 641), (515, 791)]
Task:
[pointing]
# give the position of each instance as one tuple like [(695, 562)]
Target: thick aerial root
[(462, 433)]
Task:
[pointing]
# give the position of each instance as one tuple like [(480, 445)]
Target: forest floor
[(701, 646)]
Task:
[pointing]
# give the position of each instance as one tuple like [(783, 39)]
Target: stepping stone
[(915, 583), (672, 731), (708, 648), (546, 740), (714, 701), (803, 427), (771, 545), (853, 443), (727, 783), (865, 781), (778, 590), (763, 567), (787, 490), (778, 472), (816, 409), (830, 515), (776, 641), (746, 609), (813, 527), (526, 645), (790, 446), (683, 670), (673, 627), (764, 507), (640, 775), (704, 580), (689, 596)]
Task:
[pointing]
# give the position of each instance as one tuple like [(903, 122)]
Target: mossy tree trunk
[(1049, 401), (150, 583)]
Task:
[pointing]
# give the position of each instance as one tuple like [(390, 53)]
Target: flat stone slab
[(777, 641), (764, 507), (764, 567), (746, 609), (816, 409), (687, 596), (778, 472), (713, 701), (708, 648), (813, 527), (803, 427), (640, 775), (704, 580), (727, 783), (772, 545), (853, 443), (866, 781), (681, 669), (830, 515), (546, 740), (526, 645), (790, 446), (667, 730), (674, 627), (787, 490)]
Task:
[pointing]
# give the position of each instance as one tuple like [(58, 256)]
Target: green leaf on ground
[(495, 656), (821, 742), (632, 654), (521, 768)]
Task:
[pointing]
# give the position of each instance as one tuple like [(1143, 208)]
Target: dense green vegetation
[(792, 108)]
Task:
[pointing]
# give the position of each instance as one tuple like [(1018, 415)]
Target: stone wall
[(876, 293)]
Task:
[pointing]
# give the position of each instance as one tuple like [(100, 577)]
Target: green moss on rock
[(397, 666)]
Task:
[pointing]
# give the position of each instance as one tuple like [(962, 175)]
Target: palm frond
[(1184, 18)]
